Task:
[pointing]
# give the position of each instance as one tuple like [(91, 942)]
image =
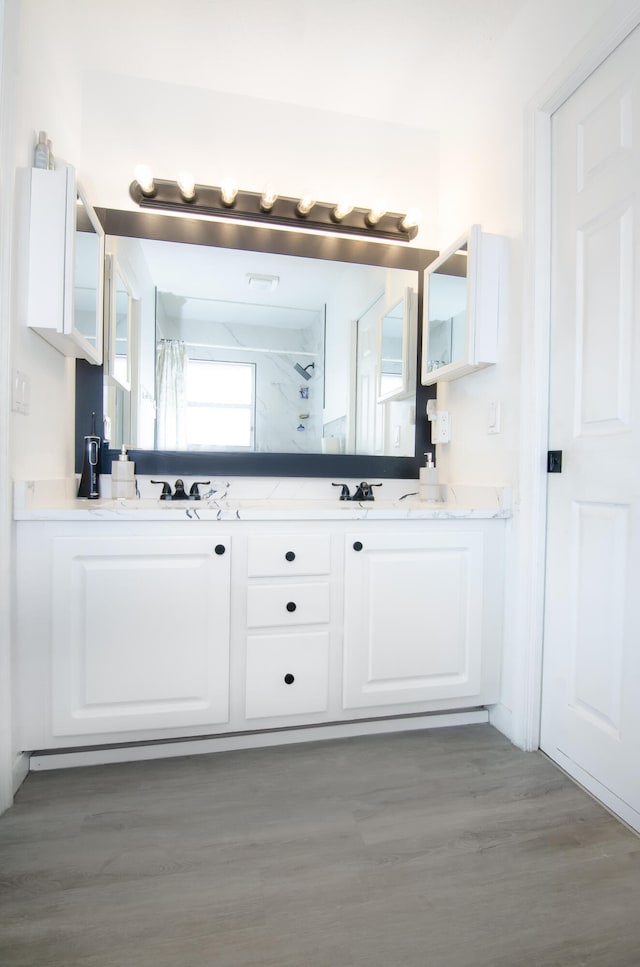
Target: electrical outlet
[(441, 428)]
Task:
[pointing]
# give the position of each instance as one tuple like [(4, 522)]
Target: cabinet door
[(413, 619), (140, 633)]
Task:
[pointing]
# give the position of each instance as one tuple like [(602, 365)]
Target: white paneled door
[(591, 670)]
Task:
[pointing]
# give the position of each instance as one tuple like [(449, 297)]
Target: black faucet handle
[(344, 493), (166, 489), (194, 493)]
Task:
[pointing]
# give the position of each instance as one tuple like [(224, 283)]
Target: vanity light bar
[(229, 202)]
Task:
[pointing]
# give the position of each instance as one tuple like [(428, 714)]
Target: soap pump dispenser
[(123, 483), (429, 487)]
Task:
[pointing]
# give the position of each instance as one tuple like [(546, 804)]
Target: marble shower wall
[(286, 421)]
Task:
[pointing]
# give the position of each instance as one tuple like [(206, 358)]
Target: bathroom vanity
[(143, 621)]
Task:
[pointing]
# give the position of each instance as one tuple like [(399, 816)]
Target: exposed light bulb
[(410, 220), (228, 191), (187, 185), (375, 213), (305, 205), (144, 176), (269, 197), (342, 209)]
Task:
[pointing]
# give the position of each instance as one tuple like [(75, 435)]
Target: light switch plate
[(20, 392), (493, 424)]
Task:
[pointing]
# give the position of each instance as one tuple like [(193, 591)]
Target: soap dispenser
[(123, 483), (429, 487)]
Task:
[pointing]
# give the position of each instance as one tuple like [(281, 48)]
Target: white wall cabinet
[(131, 632), (65, 265), (464, 303)]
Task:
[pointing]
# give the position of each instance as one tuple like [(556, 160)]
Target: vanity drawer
[(287, 674), (287, 604), (283, 554)]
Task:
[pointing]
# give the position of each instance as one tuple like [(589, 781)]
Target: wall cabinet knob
[(291, 606), (220, 548), (289, 679), (290, 556), (357, 545)]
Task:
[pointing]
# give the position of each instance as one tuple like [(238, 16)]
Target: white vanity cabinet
[(64, 278), (422, 615), (182, 627), (288, 618), (123, 632)]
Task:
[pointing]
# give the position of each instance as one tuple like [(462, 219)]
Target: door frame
[(607, 34)]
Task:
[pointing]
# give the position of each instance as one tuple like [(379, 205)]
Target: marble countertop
[(265, 500)]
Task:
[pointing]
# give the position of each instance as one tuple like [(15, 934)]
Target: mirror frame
[(254, 238)]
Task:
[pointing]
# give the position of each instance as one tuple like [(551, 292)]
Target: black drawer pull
[(357, 545), (289, 679), (291, 606), (290, 556), (220, 548)]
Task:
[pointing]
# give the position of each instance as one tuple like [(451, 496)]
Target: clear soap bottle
[(41, 153), (429, 488), (123, 481)]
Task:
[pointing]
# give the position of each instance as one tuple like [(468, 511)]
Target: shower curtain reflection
[(171, 380)]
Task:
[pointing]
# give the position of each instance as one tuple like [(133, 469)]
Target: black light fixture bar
[(207, 200)]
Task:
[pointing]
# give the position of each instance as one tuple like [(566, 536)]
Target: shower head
[(304, 371)]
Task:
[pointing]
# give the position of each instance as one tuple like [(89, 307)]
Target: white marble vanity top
[(258, 499)]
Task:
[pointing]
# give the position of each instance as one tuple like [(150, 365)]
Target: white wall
[(482, 180)]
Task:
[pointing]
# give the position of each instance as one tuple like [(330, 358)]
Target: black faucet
[(363, 491), (179, 493)]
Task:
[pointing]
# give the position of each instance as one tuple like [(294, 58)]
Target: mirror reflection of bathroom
[(397, 347), (447, 311), (386, 345), (391, 351), (262, 344)]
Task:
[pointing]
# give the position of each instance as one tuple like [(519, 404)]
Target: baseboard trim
[(20, 770), (501, 718), (612, 803), (43, 761)]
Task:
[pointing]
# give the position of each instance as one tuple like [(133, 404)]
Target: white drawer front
[(283, 554), (287, 604), (287, 674)]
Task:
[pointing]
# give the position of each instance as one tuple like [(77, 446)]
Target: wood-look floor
[(446, 848)]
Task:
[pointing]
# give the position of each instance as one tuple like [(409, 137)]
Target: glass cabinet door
[(447, 312), (87, 287), (462, 306)]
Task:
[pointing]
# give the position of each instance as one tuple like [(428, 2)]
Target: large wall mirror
[(234, 349)]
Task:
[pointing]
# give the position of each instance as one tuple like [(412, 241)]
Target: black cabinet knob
[(220, 548), (291, 606), (290, 556), (289, 679), (357, 545)]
